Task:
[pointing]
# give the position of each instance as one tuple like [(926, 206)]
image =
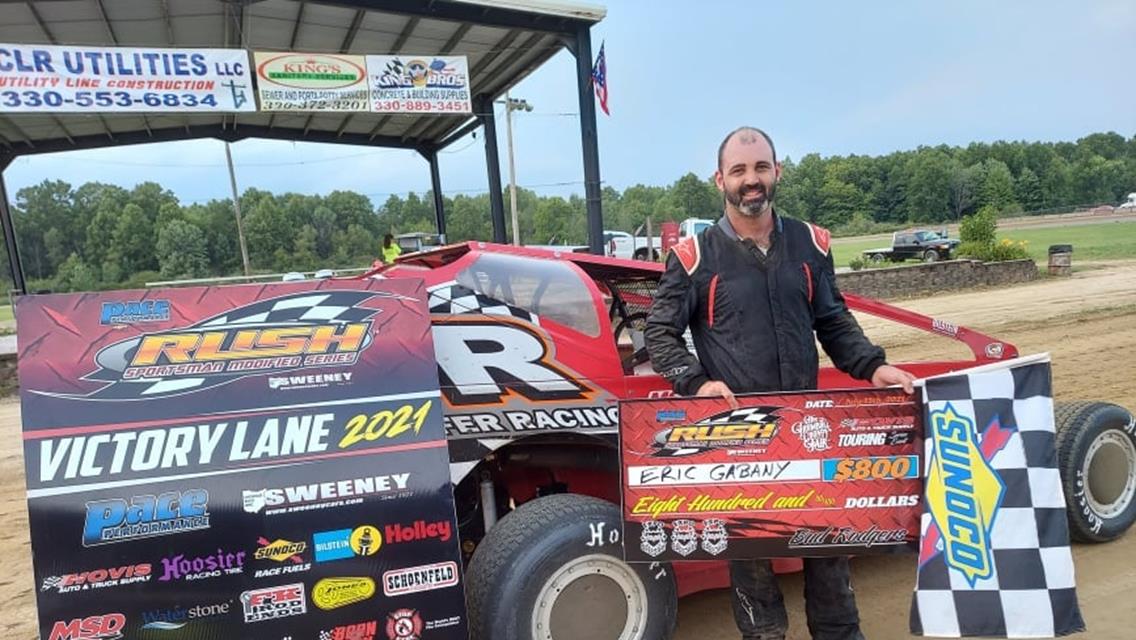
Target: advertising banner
[(311, 82), (255, 462), (795, 474), (37, 78), (419, 84)]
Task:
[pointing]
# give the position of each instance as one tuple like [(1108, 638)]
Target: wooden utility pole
[(237, 210)]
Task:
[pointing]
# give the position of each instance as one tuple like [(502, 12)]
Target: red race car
[(535, 348)]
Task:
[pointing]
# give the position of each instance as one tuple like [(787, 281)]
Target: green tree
[(694, 197), (182, 251), (998, 186), (132, 241), (840, 201), (1027, 189), (929, 187), (76, 275)]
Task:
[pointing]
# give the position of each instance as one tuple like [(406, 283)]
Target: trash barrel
[(1060, 259)]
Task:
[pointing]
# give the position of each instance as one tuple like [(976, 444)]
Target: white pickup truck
[(620, 244)]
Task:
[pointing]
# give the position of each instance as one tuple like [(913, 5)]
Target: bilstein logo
[(308, 329), (963, 492), (737, 429), (311, 71)]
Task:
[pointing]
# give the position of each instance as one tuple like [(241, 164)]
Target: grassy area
[(5, 312), (1104, 241)]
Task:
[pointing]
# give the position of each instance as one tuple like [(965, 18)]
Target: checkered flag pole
[(994, 557)]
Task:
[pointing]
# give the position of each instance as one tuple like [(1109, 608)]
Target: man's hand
[(886, 376), (713, 388)]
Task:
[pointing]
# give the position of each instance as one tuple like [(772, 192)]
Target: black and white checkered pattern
[(299, 308), (455, 299), (1030, 592)]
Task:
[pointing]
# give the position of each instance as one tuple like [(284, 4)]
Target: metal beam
[(215, 131), (345, 47), (472, 125), (473, 13), (51, 38), (484, 106), (20, 130), (439, 201), (17, 270), (291, 47), (588, 139), (169, 23)]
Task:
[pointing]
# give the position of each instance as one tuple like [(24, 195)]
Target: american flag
[(599, 79)]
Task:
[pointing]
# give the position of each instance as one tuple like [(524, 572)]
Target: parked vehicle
[(534, 351), (1129, 204), (625, 245), (920, 244)]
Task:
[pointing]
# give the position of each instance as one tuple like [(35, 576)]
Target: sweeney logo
[(146, 516), (322, 495), (737, 429), (963, 491), (308, 329)]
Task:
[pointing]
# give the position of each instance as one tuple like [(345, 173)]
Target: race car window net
[(547, 288)]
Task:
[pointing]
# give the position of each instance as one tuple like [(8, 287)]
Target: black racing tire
[(1096, 453), (641, 254), (557, 561), (930, 255)]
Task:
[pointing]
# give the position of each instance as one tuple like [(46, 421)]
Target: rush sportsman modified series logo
[(749, 427), (964, 492), (308, 329)]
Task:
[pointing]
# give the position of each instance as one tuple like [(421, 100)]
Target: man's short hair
[(722, 147)]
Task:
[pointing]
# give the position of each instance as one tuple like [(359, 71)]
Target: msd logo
[(107, 626)]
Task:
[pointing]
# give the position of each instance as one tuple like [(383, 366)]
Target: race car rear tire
[(1096, 453), (553, 570)]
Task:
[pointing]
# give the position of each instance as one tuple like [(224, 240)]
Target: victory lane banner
[(255, 461), (37, 78), (794, 474)]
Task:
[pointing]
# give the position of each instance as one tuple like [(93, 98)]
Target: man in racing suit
[(753, 289)]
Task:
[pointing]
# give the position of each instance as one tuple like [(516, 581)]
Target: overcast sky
[(834, 77)]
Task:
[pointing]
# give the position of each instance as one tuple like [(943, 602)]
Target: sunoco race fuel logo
[(736, 429), (963, 491), (308, 329)]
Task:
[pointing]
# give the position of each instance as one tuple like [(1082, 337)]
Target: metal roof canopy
[(504, 40)]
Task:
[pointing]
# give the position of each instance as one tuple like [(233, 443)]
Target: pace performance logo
[(145, 516), (737, 429), (308, 329), (964, 492)]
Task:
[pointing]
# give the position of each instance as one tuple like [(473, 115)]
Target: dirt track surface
[(1088, 324)]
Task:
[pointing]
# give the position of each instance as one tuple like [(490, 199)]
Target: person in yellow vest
[(391, 250)]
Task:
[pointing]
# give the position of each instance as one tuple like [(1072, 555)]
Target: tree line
[(99, 236)]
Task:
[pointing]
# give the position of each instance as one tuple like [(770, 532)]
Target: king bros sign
[(311, 81)]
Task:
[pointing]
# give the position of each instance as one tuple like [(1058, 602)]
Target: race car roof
[(504, 41)]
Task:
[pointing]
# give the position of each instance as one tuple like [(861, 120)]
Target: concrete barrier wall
[(934, 277)]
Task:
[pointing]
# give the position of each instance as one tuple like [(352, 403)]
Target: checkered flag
[(456, 299), (744, 415), (300, 308), (994, 557)]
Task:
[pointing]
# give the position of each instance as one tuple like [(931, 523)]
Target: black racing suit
[(753, 316)]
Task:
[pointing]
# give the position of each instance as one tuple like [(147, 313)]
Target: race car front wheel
[(1096, 451), (553, 570)]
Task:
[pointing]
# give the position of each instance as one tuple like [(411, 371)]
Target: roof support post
[(484, 108), (589, 140), (439, 201), (10, 233)]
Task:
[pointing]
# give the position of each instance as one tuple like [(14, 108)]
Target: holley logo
[(308, 329), (107, 626), (964, 492)]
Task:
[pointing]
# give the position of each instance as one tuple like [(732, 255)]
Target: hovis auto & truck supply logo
[(146, 516), (308, 329), (744, 428), (98, 578), (964, 492)]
